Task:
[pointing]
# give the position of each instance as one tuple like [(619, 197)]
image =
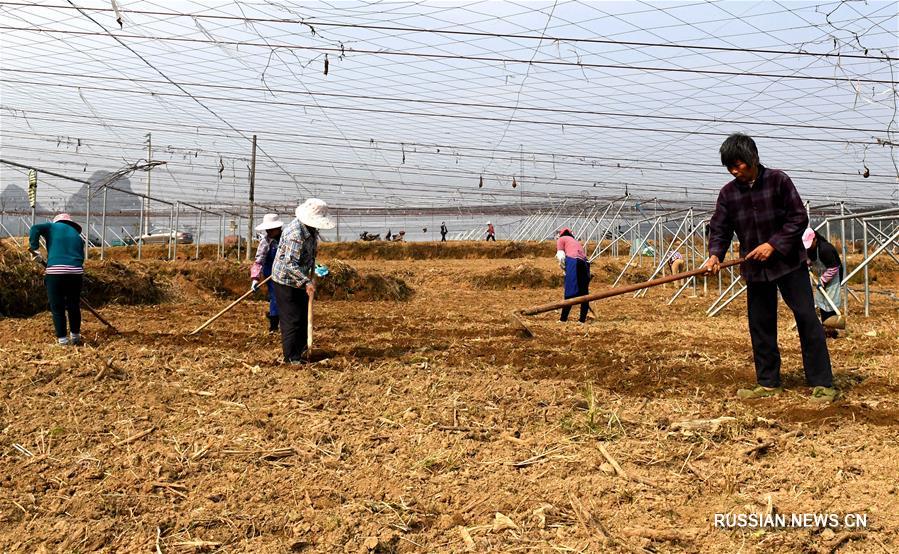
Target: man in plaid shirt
[(764, 209)]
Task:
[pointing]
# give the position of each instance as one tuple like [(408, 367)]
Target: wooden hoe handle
[(231, 305), (621, 290)]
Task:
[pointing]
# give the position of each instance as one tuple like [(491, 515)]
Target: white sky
[(343, 136)]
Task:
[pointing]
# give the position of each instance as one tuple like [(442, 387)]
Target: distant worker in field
[(676, 262), (400, 237), (389, 236), (265, 259), (443, 231), (491, 232), (573, 260), (764, 209), (827, 268), (63, 274), (293, 274)]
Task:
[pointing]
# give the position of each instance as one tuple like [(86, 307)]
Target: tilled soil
[(431, 425)]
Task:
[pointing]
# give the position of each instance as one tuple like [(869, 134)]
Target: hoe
[(835, 321), (608, 294)]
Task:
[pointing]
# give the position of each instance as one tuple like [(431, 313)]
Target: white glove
[(255, 285), (36, 256), (560, 255)]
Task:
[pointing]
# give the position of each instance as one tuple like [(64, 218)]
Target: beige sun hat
[(314, 213), (270, 221), (66, 218)]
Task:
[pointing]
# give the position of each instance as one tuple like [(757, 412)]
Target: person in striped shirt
[(675, 262), (64, 273)]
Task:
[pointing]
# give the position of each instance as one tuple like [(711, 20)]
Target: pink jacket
[(571, 247)]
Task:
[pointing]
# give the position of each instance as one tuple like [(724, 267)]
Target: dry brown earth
[(423, 420)]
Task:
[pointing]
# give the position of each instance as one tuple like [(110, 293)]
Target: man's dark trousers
[(293, 304), (796, 291)]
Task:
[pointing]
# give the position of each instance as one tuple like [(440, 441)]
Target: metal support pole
[(680, 290), (655, 250), (692, 240), (140, 224), (728, 301), (635, 251), (252, 192), (171, 230), (878, 237), (175, 231), (87, 223), (873, 255), (865, 251), (721, 296), (238, 236), (599, 250), (103, 225), (199, 232), (146, 224), (116, 235), (845, 294), (660, 267)]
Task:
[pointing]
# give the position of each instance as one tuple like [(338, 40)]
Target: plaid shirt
[(295, 258), (769, 211)]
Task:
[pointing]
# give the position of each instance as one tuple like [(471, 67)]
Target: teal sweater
[(64, 244)]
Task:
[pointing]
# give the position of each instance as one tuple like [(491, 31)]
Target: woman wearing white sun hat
[(262, 265), (293, 272)]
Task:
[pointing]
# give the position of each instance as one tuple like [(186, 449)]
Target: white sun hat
[(270, 221), (314, 213)]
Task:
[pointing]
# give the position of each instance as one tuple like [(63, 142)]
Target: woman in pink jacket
[(573, 260)]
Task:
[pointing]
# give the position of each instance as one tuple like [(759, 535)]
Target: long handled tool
[(231, 305), (91, 309), (321, 271), (88, 307), (835, 321), (613, 292), (309, 327)]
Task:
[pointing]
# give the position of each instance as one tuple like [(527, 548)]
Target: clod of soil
[(156, 281), (23, 292), (415, 424), (343, 282), (382, 250), (518, 277)]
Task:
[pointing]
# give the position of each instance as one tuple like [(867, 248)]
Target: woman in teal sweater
[(64, 273)]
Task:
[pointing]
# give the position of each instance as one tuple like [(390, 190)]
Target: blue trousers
[(577, 281), (272, 303)]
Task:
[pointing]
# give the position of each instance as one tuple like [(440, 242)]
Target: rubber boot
[(272, 324)]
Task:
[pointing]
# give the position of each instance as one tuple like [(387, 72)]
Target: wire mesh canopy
[(397, 104)]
